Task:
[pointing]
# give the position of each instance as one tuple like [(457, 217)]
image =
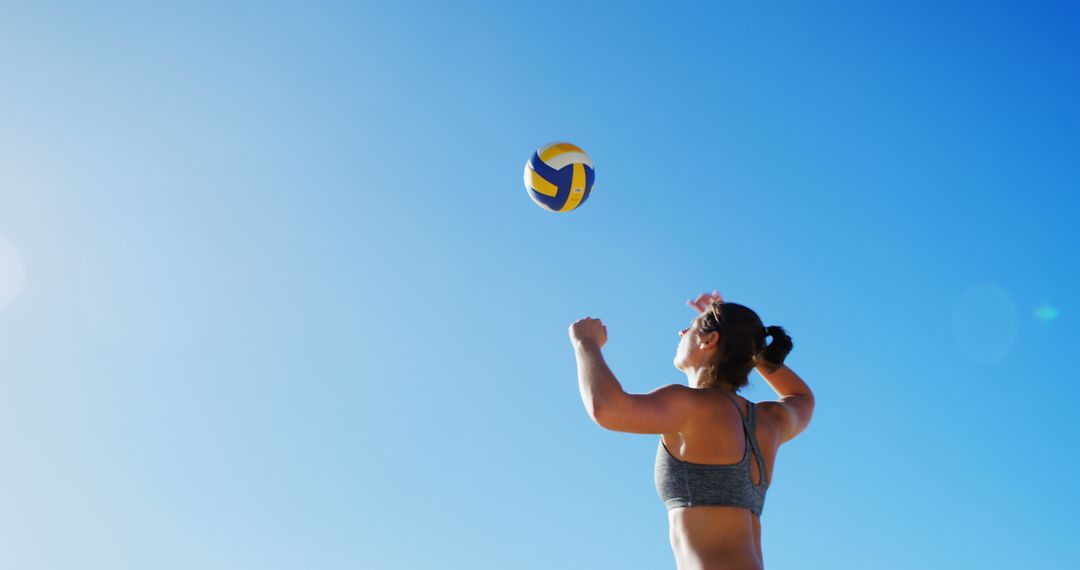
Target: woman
[(716, 451)]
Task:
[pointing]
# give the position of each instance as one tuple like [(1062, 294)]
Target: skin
[(698, 424)]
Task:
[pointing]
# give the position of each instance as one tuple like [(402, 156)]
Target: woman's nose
[(682, 332)]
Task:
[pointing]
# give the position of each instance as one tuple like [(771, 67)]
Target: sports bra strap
[(737, 406), (749, 424)]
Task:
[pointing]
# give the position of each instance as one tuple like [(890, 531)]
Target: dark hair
[(742, 344)]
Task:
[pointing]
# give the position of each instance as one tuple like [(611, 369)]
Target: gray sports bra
[(685, 484)]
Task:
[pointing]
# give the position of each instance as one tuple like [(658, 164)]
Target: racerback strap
[(749, 422)]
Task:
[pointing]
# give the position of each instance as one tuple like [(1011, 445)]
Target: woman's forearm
[(597, 383), (785, 381)]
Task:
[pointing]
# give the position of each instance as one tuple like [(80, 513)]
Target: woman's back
[(714, 537), (717, 453)]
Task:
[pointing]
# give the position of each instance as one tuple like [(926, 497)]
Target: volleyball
[(559, 177)]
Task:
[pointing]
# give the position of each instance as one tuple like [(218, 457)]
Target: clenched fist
[(588, 330)]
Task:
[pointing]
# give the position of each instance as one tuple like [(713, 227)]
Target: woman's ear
[(708, 340)]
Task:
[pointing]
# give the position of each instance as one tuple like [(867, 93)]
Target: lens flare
[(1046, 313)]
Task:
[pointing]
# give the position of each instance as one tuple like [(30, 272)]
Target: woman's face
[(690, 353)]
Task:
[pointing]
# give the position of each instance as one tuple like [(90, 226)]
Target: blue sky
[(272, 294)]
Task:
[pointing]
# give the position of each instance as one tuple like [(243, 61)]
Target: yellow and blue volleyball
[(559, 177)]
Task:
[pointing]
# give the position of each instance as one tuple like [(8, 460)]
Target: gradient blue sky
[(272, 294)]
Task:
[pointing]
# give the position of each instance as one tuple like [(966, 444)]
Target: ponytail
[(772, 355)]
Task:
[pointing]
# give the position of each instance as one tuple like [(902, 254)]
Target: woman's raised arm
[(796, 404)]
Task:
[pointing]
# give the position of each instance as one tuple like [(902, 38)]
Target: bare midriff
[(715, 538)]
